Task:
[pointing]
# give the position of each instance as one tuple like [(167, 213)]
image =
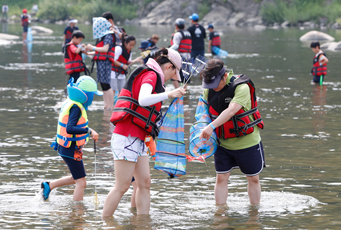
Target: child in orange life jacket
[(73, 133), (122, 62), (74, 64), (320, 61), (213, 39)]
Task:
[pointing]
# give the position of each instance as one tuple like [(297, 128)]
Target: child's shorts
[(127, 148), (316, 79), (249, 160), (76, 168)]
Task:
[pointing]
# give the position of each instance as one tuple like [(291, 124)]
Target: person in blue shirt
[(68, 32)]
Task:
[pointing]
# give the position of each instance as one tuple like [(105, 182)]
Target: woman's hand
[(206, 133), (179, 92), (94, 135), (89, 47)]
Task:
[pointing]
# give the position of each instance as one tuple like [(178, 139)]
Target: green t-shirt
[(242, 97)]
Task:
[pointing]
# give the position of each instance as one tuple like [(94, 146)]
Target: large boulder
[(333, 46), (234, 13), (316, 36), (8, 37), (41, 30), (168, 11)]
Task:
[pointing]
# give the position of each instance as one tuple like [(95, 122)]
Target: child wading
[(74, 64), (73, 133), (122, 62), (68, 32), (319, 70)]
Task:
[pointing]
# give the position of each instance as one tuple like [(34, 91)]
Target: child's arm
[(323, 60), (71, 127)]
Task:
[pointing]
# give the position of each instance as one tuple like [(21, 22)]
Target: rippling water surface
[(301, 183)]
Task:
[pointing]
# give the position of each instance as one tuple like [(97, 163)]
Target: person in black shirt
[(213, 39), (198, 34)]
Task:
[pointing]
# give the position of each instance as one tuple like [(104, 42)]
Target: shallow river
[(301, 183)]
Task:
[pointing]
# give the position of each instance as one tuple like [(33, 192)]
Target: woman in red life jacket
[(135, 114), (74, 64), (232, 106), (122, 62), (319, 70), (102, 29)]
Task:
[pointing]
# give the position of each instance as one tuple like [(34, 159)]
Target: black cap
[(108, 15)]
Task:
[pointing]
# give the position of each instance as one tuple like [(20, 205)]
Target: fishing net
[(170, 148), (197, 147)]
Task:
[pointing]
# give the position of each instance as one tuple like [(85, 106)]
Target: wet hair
[(212, 68), (161, 58), (314, 45), (77, 34), (108, 15)]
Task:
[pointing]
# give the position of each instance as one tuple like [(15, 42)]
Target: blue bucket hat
[(194, 17), (144, 44)]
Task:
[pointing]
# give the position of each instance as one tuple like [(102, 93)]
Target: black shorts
[(316, 79), (25, 28), (76, 168), (105, 87), (250, 160)]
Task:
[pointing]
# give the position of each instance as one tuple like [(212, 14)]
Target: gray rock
[(167, 11), (316, 36), (41, 30), (333, 46), (8, 37)]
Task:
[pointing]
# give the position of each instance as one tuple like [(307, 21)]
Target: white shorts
[(127, 148)]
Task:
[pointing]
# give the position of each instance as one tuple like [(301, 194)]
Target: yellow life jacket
[(63, 138)]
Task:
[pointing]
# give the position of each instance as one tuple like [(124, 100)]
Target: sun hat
[(194, 17), (100, 27), (175, 58), (73, 21), (144, 44), (215, 80)]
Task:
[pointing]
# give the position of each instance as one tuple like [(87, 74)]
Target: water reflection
[(319, 100), (4, 27)]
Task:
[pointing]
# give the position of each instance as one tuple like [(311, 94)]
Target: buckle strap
[(78, 126)]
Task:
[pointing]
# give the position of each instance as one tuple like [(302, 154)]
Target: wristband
[(89, 131), (94, 48), (320, 64), (212, 126), (121, 65)]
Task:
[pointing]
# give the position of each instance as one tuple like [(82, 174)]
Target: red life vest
[(103, 56), (24, 20), (216, 39), (127, 105), (318, 70), (240, 124), (73, 62), (123, 58), (185, 45)]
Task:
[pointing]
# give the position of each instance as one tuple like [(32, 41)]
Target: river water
[(301, 183)]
